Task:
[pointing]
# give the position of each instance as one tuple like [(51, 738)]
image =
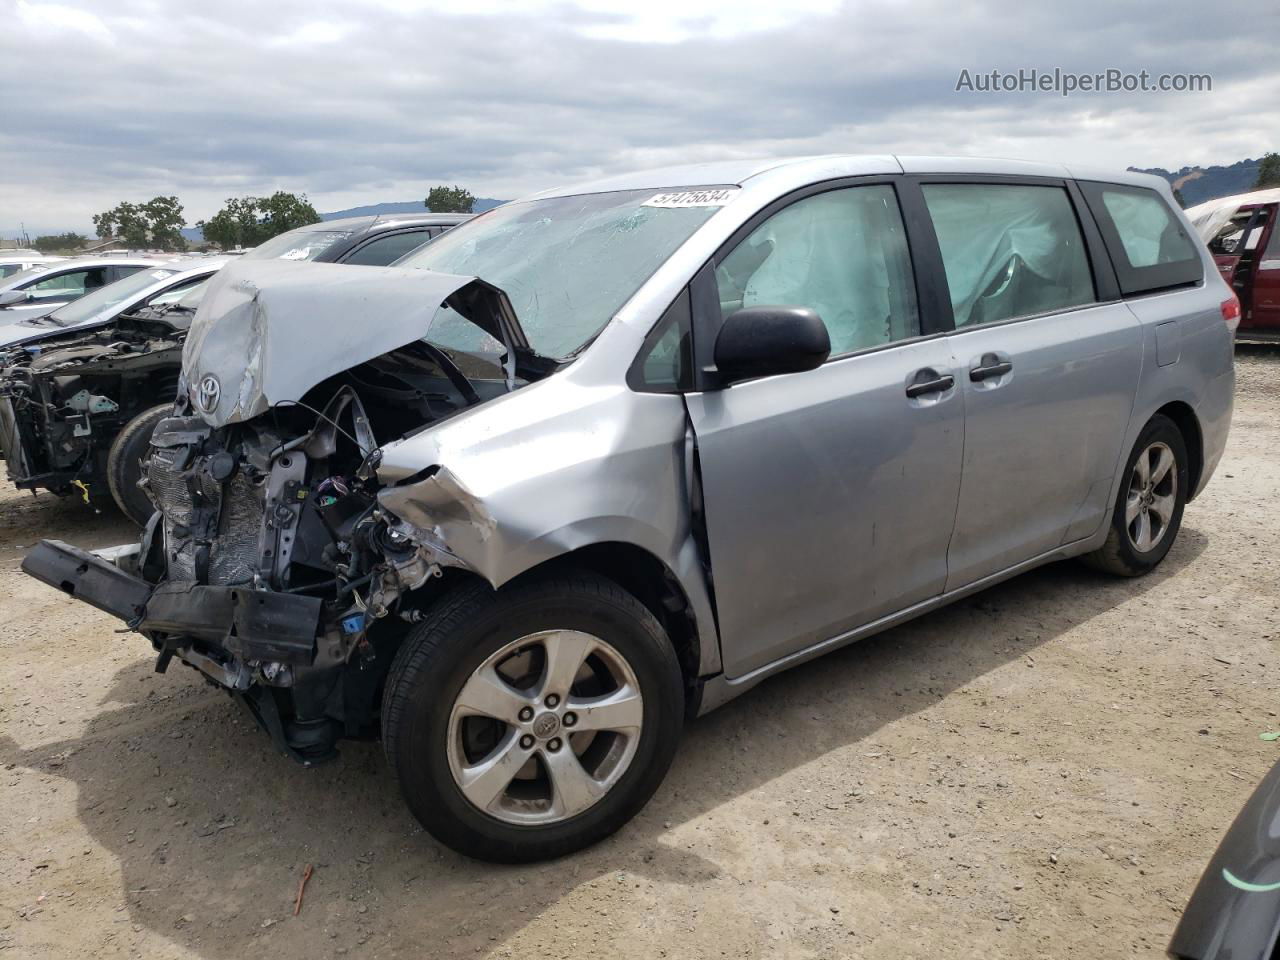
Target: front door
[(829, 495), (1048, 373)]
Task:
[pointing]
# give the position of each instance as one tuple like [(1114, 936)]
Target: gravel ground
[(1042, 770)]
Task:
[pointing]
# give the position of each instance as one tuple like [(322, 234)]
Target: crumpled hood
[(267, 331)]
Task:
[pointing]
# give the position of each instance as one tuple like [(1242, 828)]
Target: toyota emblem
[(207, 393)]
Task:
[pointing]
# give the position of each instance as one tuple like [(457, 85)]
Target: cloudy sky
[(364, 101)]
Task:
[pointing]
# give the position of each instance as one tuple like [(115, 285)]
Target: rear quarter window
[(1148, 244)]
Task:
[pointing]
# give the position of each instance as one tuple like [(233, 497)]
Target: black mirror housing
[(766, 341)]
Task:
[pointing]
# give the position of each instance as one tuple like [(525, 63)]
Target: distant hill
[(1198, 184), (482, 204)]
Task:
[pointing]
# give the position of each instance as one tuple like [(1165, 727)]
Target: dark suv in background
[(373, 241)]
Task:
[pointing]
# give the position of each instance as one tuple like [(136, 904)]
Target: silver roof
[(801, 169)]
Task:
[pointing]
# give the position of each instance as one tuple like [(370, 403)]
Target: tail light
[(1231, 312)]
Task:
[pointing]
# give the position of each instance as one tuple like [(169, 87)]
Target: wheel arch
[(683, 613), (1188, 424), (649, 580)]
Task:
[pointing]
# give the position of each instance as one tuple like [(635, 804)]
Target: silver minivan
[(599, 460)]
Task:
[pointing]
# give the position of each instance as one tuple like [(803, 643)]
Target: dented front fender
[(554, 468)]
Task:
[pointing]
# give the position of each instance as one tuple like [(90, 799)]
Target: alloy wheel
[(1152, 497), (544, 727)]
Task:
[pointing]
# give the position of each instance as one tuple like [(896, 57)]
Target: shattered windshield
[(566, 263), (103, 299)]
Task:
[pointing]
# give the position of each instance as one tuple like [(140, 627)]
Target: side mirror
[(11, 297), (765, 341)]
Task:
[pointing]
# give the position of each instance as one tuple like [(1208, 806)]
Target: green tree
[(284, 211), (156, 223), (165, 221), (60, 241), (449, 200), (235, 225), (248, 221), (1268, 171), (1177, 196)]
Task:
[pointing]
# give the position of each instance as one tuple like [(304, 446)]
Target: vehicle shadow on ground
[(212, 828)]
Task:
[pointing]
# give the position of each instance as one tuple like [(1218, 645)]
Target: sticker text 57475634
[(713, 197)]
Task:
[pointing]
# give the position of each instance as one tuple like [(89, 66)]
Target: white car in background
[(44, 287), (159, 284), (72, 382), (15, 261)]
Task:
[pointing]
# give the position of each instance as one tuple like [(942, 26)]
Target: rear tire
[(490, 742), (124, 464), (1148, 509)]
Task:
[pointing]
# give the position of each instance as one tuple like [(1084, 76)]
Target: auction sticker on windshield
[(692, 198)]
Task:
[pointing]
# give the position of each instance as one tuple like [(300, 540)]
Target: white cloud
[(359, 102), (312, 34), (52, 18)]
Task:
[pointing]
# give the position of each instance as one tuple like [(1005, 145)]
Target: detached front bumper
[(252, 625), (227, 633), (235, 636)]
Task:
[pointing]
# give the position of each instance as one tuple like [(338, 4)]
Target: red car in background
[(1242, 235)]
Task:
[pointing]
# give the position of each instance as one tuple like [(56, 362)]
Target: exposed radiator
[(234, 552)]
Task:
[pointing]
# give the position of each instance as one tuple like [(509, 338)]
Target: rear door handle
[(937, 385), (978, 374)]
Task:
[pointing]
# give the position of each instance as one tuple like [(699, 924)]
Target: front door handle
[(938, 384), (998, 369)]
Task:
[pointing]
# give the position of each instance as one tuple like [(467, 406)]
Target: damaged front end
[(270, 565)]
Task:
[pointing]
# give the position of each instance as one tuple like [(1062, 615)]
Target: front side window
[(101, 302), (567, 264), (73, 283), (386, 250), (665, 361), (176, 293), (1008, 250), (842, 254)]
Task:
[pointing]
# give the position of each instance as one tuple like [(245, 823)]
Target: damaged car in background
[(600, 460), (1243, 235), (45, 286), (81, 387)]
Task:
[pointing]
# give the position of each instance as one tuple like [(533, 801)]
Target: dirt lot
[(1042, 770)]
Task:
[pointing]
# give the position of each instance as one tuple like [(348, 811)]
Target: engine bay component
[(64, 401)]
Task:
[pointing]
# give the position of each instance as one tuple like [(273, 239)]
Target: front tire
[(124, 464), (1148, 510), (533, 721)]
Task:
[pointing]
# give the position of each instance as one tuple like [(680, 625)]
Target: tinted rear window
[(1149, 246)]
